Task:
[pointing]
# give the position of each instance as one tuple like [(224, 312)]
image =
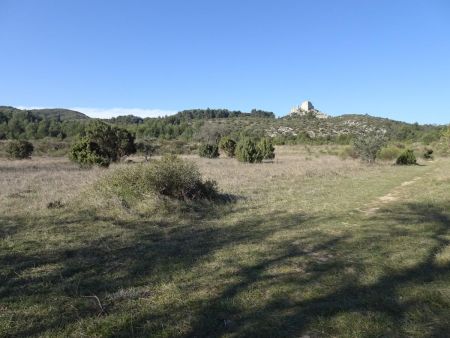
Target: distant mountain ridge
[(49, 113), (68, 114), (209, 124)]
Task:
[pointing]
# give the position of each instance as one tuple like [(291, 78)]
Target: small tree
[(19, 149), (87, 153), (113, 142), (266, 149), (124, 142), (247, 151), (146, 147), (208, 150), (228, 145), (407, 158), (101, 145), (367, 146)]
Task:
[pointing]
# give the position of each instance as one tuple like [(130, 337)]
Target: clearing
[(292, 256)]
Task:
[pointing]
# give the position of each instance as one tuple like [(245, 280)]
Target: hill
[(48, 113), (207, 125), (344, 125), (61, 113), (39, 123)]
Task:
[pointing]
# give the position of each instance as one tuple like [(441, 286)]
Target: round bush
[(20, 149), (407, 158), (174, 177), (228, 145), (266, 149), (247, 151), (171, 176), (208, 150), (101, 145), (87, 153)]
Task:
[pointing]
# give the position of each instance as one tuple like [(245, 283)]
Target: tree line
[(187, 126), (28, 125), (25, 124)]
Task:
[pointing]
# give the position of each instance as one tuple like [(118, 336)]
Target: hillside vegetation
[(208, 125), (40, 123), (49, 113)]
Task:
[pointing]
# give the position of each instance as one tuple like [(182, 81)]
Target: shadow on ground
[(298, 302), (284, 316)]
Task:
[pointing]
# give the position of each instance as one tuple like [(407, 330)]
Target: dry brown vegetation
[(297, 253), (45, 179), (27, 186)]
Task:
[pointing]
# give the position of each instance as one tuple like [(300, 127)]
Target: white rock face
[(307, 108)]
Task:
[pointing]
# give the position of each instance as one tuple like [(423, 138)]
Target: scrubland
[(308, 245)]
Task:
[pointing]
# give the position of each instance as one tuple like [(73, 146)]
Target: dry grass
[(295, 255), (27, 186), (42, 180)]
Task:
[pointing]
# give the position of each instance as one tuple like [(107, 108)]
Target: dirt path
[(393, 196)]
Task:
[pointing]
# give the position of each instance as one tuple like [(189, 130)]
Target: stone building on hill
[(307, 109)]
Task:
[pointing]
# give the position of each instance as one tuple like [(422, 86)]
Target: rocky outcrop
[(306, 106), (307, 109)]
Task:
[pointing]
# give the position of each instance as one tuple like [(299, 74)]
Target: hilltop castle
[(307, 108)]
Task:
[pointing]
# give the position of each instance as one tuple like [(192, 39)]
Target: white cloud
[(112, 112), (27, 108)]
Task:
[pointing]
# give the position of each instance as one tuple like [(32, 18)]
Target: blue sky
[(384, 58)]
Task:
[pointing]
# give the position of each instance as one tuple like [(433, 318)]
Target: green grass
[(314, 253)]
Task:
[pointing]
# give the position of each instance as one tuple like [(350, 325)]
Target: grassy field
[(310, 246)]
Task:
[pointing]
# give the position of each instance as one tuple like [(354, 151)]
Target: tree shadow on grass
[(76, 279), (285, 316), (154, 253)]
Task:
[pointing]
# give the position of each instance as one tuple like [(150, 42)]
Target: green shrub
[(428, 154), (208, 150), (19, 149), (124, 143), (266, 149), (407, 158), (228, 145), (146, 147), (389, 153), (247, 151), (101, 145), (171, 176), (87, 153), (368, 145), (174, 177)]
